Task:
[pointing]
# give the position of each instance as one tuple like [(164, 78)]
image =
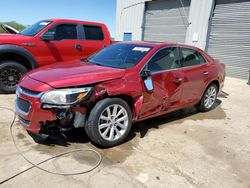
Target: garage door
[(166, 20), (229, 40)]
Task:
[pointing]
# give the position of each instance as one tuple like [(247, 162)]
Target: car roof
[(159, 44), (75, 21)]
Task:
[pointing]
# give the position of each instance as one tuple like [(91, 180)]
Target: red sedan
[(121, 84)]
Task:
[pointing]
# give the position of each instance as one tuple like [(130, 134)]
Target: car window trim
[(146, 64)]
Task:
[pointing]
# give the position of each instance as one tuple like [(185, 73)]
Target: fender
[(122, 87), (6, 48)]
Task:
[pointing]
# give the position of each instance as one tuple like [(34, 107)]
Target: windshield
[(35, 28), (121, 56)]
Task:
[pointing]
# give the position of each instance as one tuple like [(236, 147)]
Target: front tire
[(209, 98), (10, 74), (109, 122)]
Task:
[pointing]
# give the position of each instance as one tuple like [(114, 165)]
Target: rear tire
[(209, 98), (109, 122), (10, 74)]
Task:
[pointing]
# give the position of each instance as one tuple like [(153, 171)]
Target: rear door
[(65, 47), (196, 72), (167, 79), (92, 39)]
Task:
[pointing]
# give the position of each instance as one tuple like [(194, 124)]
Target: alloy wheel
[(10, 77), (113, 122), (210, 97)]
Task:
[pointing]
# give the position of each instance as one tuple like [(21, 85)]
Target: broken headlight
[(65, 96)]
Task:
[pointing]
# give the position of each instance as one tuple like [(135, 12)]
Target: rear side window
[(191, 57), (64, 31), (93, 32), (202, 59), (165, 59)]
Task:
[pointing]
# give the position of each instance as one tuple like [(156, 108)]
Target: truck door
[(65, 46), (92, 39)]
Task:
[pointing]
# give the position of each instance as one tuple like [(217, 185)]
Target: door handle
[(205, 73), (177, 80), (78, 46)]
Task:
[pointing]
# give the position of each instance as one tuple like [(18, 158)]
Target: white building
[(221, 27)]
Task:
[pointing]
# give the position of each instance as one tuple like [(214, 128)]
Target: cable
[(185, 14), (50, 158)]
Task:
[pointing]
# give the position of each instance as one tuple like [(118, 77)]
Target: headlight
[(65, 96)]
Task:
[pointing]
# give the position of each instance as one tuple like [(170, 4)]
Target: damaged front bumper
[(45, 120)]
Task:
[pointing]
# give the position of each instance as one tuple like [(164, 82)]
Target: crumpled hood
[(74, 73)]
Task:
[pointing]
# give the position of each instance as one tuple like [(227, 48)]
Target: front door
[(65, 47), (167, 80)]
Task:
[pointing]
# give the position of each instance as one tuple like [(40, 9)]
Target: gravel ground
[(182, 149)]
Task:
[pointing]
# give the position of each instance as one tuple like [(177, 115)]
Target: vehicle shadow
[(165, 120), (141, 128), (74, 136)]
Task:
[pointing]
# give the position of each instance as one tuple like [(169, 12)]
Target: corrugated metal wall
[(129, 17), (166, 20), (229, 40)]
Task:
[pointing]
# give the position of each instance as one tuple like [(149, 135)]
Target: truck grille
[(23, 105)]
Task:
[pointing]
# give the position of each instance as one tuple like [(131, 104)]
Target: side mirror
[(48, 36), (148, 82), (147, 78), (145, 73)]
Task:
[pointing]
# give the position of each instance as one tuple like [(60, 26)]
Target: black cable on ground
[(50, 158)]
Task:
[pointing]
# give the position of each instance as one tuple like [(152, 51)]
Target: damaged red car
[(123, 83)]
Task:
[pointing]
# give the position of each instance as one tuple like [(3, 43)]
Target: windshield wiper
[(99, 64), (85, 60)]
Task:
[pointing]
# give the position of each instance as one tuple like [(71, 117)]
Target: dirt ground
[(182, 149)]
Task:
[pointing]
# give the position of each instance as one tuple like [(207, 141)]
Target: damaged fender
[(124, 89)]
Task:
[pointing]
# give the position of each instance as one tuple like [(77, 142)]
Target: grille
[(30, 92), (23, 105), (24, 121)]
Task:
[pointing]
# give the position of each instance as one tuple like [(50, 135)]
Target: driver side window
[(64, 31), (165, 59)]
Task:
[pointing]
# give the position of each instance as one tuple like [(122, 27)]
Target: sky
[(28, 12)]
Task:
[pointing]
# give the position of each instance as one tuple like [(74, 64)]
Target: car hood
[(13, 38), (74, 73)]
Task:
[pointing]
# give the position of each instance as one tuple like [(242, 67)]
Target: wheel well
[(216, 82), (127, 99), (16, 57)]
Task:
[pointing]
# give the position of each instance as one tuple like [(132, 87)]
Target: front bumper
[(33, 115)]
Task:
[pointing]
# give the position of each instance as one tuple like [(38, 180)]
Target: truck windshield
[(35, 28), (121, 55)]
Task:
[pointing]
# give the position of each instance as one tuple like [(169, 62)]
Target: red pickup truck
[(46, 42)]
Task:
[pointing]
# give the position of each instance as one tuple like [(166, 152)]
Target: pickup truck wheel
[(208, 99), (10, 74), (109, 122)]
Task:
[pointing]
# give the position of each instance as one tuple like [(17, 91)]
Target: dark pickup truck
[(46, 42)]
